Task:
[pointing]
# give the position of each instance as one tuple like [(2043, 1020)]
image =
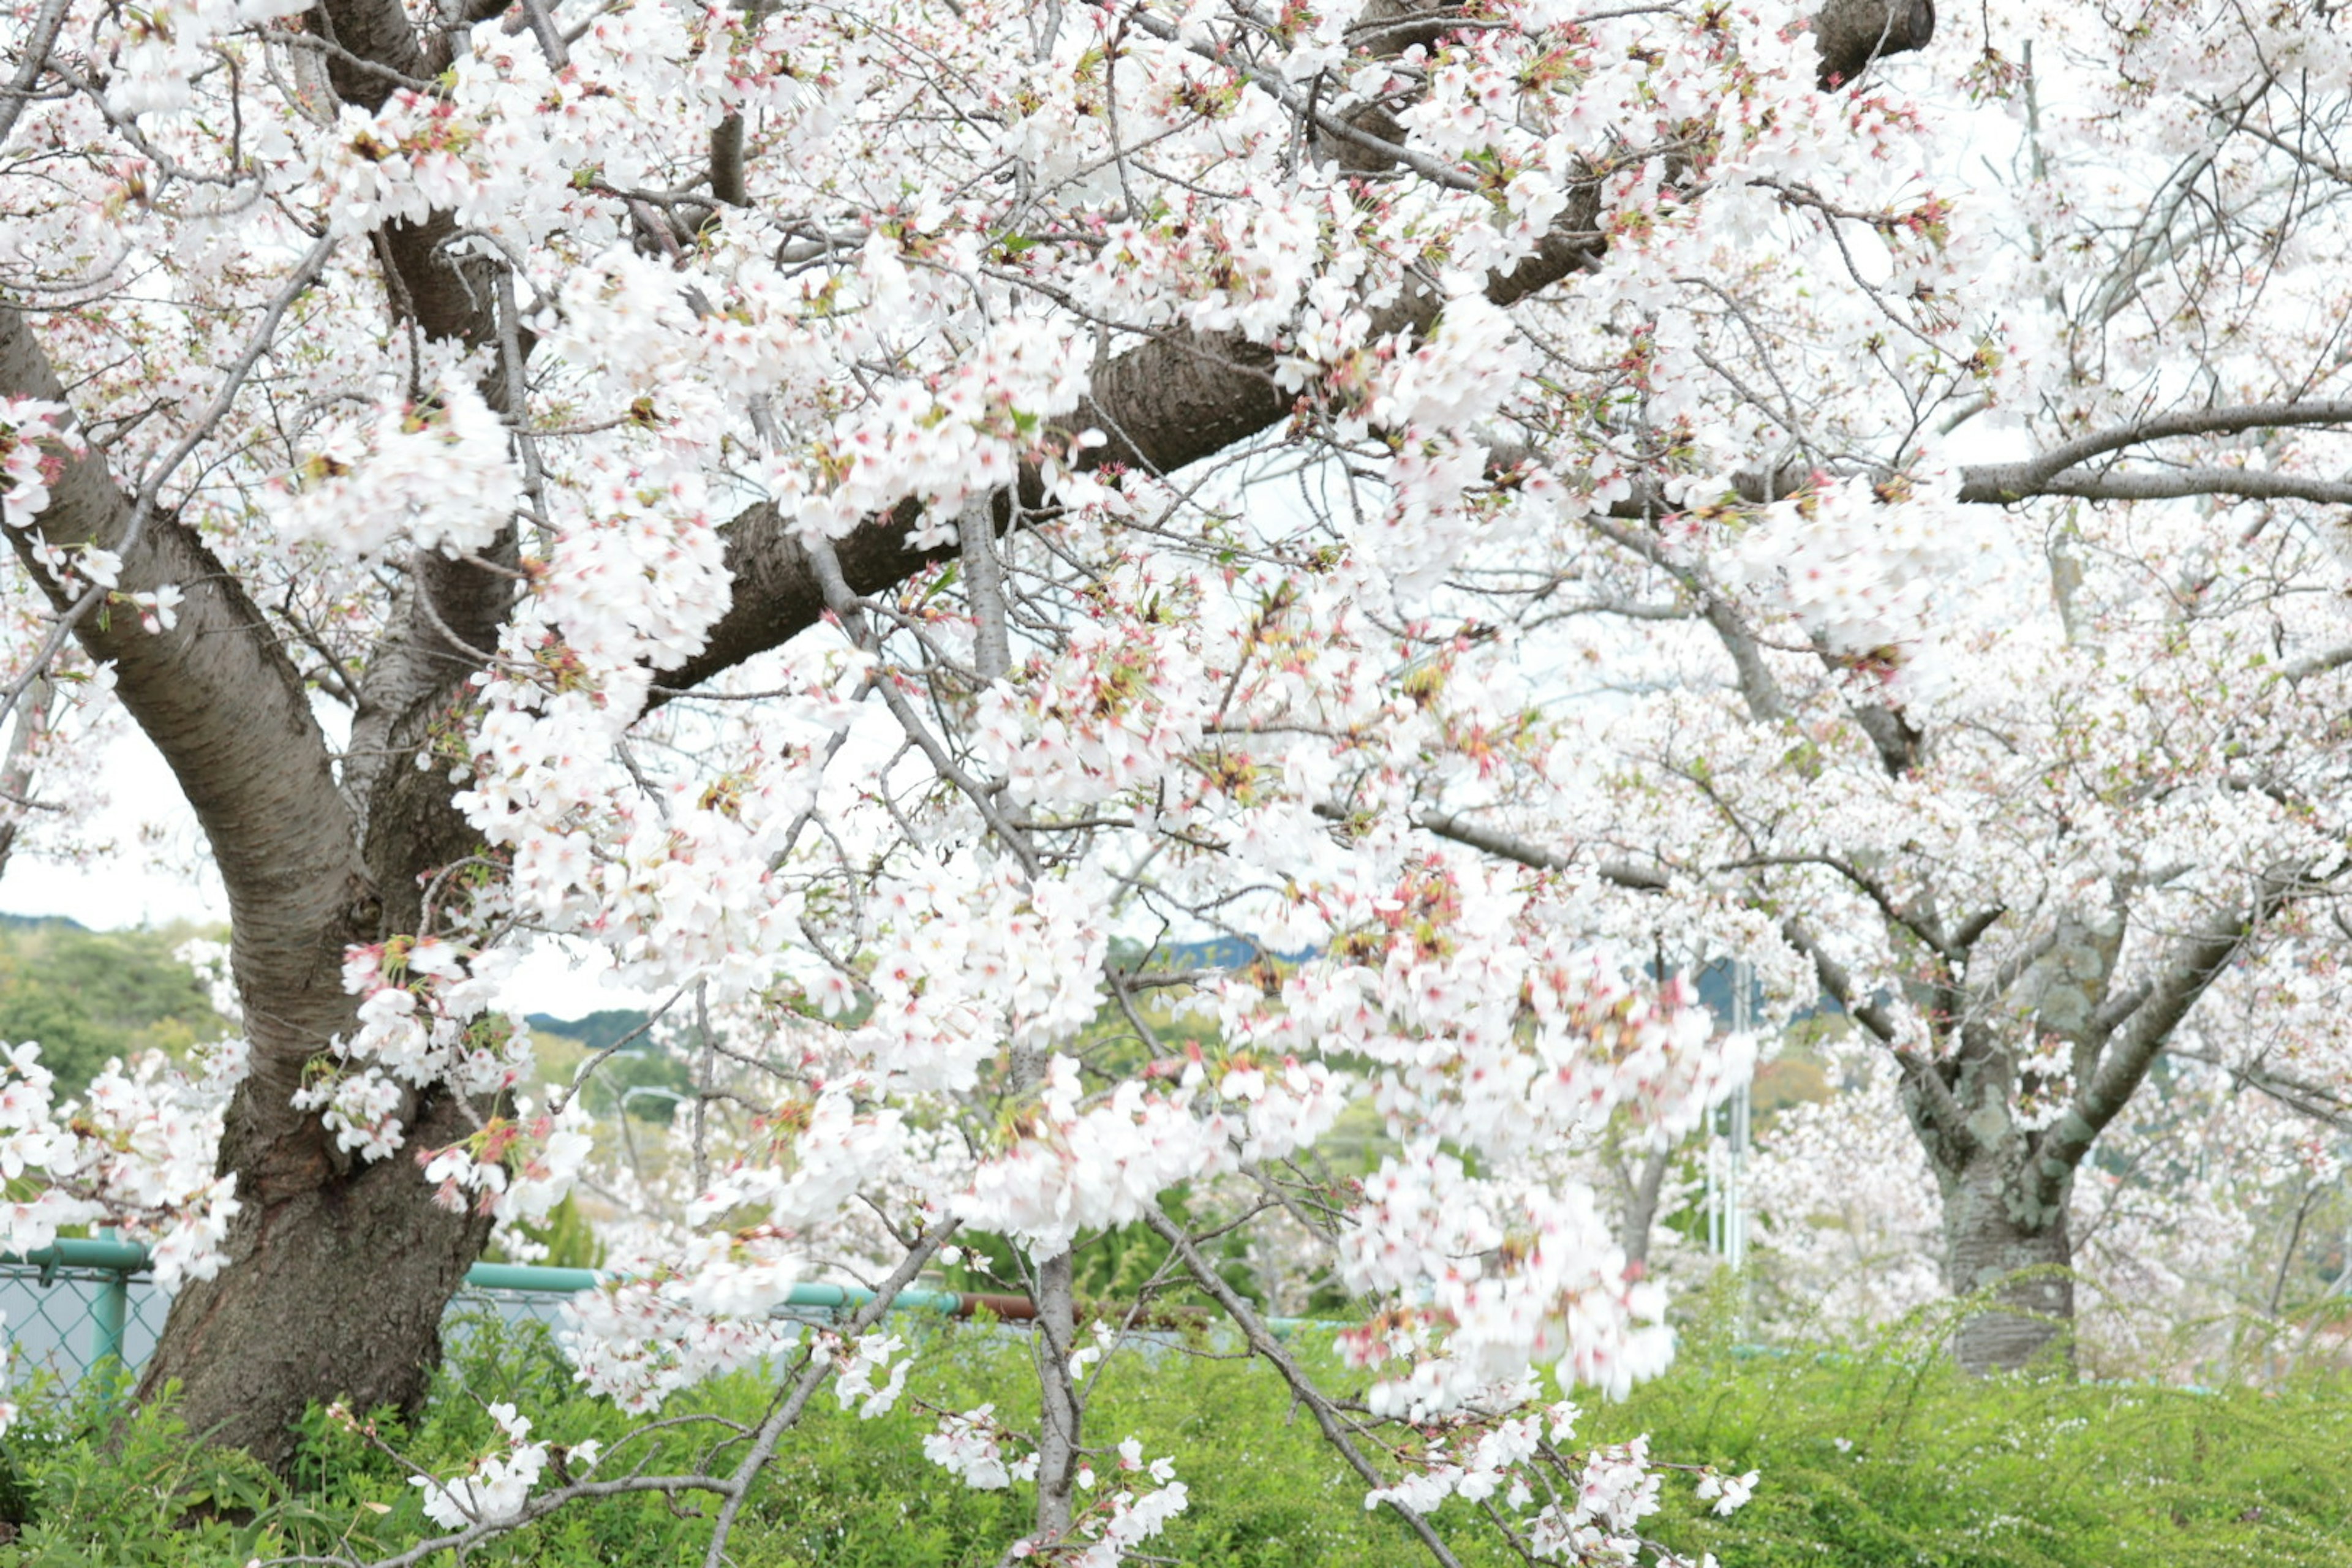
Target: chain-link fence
[(74, 1307), (71, 1308), (80, 1305)]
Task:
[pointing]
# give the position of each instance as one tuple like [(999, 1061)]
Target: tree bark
[(339, 1282), (1645, 1182), (1990, 1238), (338, 1274)]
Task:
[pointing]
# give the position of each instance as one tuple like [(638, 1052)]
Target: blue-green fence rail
[(71, 1307), (74, 1306)]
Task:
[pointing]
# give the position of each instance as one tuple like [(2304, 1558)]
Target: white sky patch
[(160, 874)]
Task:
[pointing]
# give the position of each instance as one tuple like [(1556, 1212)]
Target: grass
[(1870, 1460)]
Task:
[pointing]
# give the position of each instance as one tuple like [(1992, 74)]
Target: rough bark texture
[(340, 1276), (1987, 1241), (1850, 34)]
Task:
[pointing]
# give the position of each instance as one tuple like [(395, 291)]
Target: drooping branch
[(2329, 1107), (1262, 1343)]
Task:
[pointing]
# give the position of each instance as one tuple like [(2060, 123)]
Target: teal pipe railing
[(105, 1252), (124, 1259), (108, 1315)]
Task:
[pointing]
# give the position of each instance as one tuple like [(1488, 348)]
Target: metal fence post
[(107, 1317)]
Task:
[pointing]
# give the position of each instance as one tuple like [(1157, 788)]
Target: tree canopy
[(845, 513)]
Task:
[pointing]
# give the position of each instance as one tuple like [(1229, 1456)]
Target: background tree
[(2016, 793)]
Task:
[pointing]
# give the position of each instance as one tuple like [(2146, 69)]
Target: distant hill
[(597, 1031), (645, 1079), (87, 996), (35, 922)]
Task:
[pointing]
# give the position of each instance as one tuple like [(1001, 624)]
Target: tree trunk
[(1061, 1420), (337, 1289), (1641, 1206), (1986, 1244)]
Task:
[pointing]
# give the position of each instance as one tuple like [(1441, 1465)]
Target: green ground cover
[(1870, 1460)]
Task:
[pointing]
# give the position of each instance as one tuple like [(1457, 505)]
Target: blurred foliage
[(89, 995), (844, 1492), (597, 1031), (1883, 1452), (644, 1061), (566, 1233)]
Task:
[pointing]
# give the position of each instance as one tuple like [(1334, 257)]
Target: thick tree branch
[(2319, 663), (1767, 704), (2111, 1012), (1850, 34), (1921, 926), (1166, 403), (226, 708), (2195, 962), (374, 31), (2006, 481), (1972, 930), (2246, 484), (31, 64), (1626, 874), (1183, 398), (2058, 472)]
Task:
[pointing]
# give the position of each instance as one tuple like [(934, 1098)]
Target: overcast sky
[(161, 877)]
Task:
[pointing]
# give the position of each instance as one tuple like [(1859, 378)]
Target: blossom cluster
[(660, 1324), (34, 437), (499, 1483), (434, 476), (138, 1154), (425, 1018), (1514, 1457)]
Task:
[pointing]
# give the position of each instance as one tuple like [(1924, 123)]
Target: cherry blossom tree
[(845, 511), (2204, 1233), (2018, 792)]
